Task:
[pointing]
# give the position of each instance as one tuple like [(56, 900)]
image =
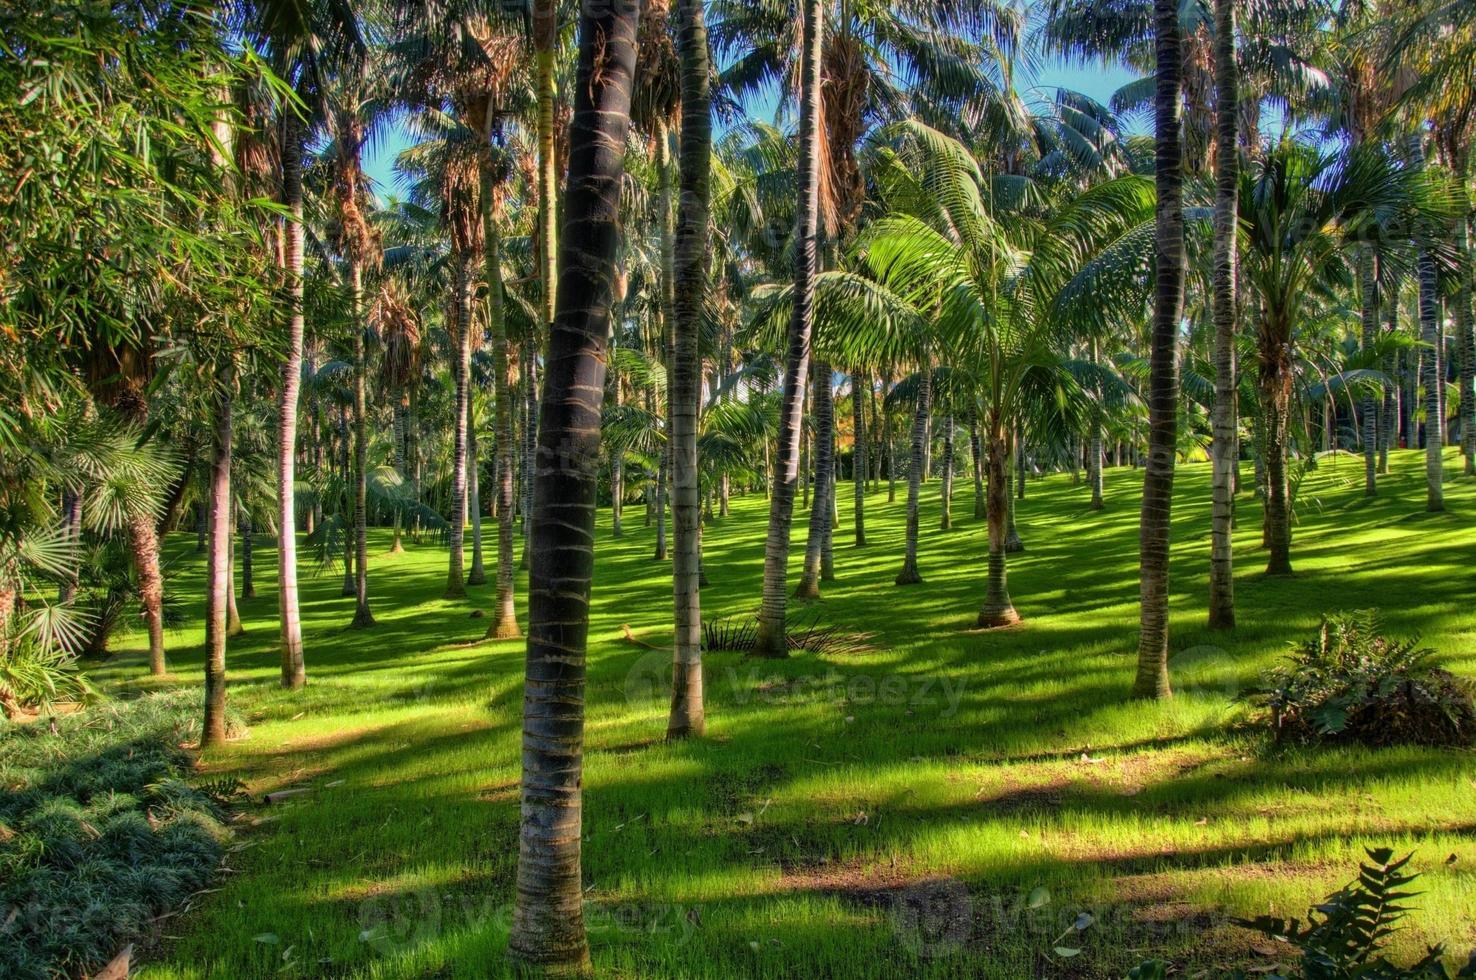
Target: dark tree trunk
[(1163, 384), (1225, 412), (909, 575), (548, 923), (1432, 376), (821, 422), (772, 640), (363, 618), (858, 455), (998, 610), (504, 624), (461, 330), (690, 285)]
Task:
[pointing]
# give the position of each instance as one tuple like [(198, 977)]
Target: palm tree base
[(363, 619), (991, 617), (909, 576), (504, 629), (809, 588), (1014, 546), (454, 592), (476, 577)]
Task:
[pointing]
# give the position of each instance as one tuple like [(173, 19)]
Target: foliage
[(1351, 683), (100, 831)]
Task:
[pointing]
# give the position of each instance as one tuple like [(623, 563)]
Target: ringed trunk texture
[(1276, 383), (218, 564), (1368, 278), (822, 419), (998, 610), (976, 451), (363, 618), (909, 574), (772, 640), (548, 924), (477, 574), (687, 716), (294, 669), (461, 371), (504, 616), (946, 489), (1163, 386), (858, 458), (1224, 447), (1432, 377)]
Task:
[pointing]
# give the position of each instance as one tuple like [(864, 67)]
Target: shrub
[(100, 832), (1350, 683)]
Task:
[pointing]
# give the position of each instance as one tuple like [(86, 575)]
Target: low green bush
[(1350, 683), (100, 831)]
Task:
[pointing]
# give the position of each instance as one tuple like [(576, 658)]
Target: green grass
[(879, 812)]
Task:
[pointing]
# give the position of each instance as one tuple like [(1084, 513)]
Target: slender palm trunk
[(504, 616), (909, 574), (976, 451), (946, 489), (1432, 377), (858, 457), (1368, 282), (998, 610), (477, 574), (1464, 319), (1276, 384), (1224, 447), (248, 563), (1013, 470), (234, 626), (772, 640), (294, 670), (687, 716), (887, 441), (548, 923), (820, 420), (1094, 461), (1163, 384), (530, 438), (362, 616), (460, 420), (218, 563)]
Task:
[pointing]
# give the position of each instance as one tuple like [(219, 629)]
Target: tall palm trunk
[(234, 626), (362, 616), (687, 715), (548, 923), (1465, 329), (1224, 447), (477, 574), (1276, 385), (218, 563), (1368, 289), (530, 437), (998, 610), (1094, 463), (976, 451), (1163, 384), (822, 421), (946, 490), (294, 670), (504, 617), (858, 455), (909, 574), (248, 565), (1432, 377), (461, 372), (772, 640)]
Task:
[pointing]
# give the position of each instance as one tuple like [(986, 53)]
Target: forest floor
[(928, 800)]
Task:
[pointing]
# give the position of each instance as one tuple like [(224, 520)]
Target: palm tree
[(690, 286), (772, 639), (1163, 394), (218, 559), (1226, 442), (548, 924)]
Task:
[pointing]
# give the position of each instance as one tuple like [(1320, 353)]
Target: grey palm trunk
[(1225, 445), (1431, 379), (218, 561), (858, 457), (363, 618), (294, 671), (687, 716), (504, 623), (461, 374), (548, 927), (1152, 679), (1368, 290), (997, 610), (823, 424), (772, 639), (909, 575)]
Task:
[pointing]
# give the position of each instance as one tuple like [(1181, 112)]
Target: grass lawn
[(937, 802)]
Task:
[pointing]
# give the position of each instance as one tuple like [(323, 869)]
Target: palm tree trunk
[(1276, 383), (909, 574), (294, 670), (998, 610), (461, 372), (887, 442), (218, 563), (976, 451), (1094, 463), (530, 438), (1226, 311), (477, 574), (363, 618), (248, 570), (946, 490), (504, 624), (687, 716), (821, 421), (548, 923), (1432, 377), (1163, 384), (1465, 330), (1368, 281), (772, 640), (234, 627), (858, 456)]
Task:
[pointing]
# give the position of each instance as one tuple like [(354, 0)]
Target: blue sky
[(1096, 81)]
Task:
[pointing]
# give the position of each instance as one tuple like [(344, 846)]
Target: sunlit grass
[(969, 767)]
